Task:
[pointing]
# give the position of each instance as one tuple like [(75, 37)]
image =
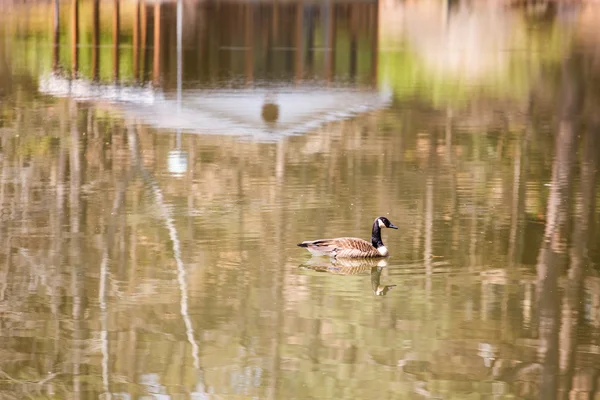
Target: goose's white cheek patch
[(381, 224)]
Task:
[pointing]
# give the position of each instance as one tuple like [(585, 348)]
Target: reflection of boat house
[(225, 40), (228, 52)]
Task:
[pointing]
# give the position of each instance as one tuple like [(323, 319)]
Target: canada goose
[(349, 247)]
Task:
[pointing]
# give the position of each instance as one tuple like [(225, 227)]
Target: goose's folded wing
[(324, 245), (355, 247)]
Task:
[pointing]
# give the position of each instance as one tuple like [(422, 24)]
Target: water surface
[(155, 179)]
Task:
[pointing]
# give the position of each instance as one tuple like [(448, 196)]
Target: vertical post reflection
[(353, 40), (95, 39), (136, 41), (375, 42), (144, 38), (116, 27), (56, 36), (179, 64), (299, 44), (74, 36), (179, 53), (249, 34), (330, 29), (275, 22), (157, 26)]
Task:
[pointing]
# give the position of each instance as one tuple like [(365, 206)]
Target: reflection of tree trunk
[(428, 248), (176, 246), (57, 236), (579, 261), (518, 199), (77, 284), (278, 278), (551, 259), (104, 274)]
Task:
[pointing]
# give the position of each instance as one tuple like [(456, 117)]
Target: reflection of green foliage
[(35, 44), (410, 77)]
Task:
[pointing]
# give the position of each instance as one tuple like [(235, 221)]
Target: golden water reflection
[(137, 259)]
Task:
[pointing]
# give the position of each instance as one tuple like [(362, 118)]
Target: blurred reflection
[(378, 288), (352, 266)]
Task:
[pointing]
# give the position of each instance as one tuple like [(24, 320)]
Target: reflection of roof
[(227, 111)]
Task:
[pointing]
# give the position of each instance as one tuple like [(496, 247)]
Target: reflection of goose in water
[(352, 247), (353, 266), (378, 288)]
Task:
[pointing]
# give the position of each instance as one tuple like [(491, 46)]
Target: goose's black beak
[(392, 226)]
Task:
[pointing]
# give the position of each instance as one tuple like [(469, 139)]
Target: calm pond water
[(159, 163)]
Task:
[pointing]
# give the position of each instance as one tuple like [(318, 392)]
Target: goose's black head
[(383, 222)]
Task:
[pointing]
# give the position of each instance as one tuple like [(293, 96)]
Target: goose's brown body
[(344, 247), (351, 247)]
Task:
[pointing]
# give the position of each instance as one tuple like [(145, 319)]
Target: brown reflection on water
[(222, 41), (143, 261)]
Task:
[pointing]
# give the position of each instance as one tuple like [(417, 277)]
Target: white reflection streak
[(180, 270), (169, 222)]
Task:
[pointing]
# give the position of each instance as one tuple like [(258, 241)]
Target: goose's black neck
[(376, 235)]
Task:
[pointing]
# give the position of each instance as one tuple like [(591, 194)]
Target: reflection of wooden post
[(353, 40), (75, 36), (249, 43), (116, 22), (144, 33), (310, 42), (203, 42), (156, 67), (299, 49), (55, 47), (276, 19), (375, 43), (95, 39), (330, 60), (136, 41)]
